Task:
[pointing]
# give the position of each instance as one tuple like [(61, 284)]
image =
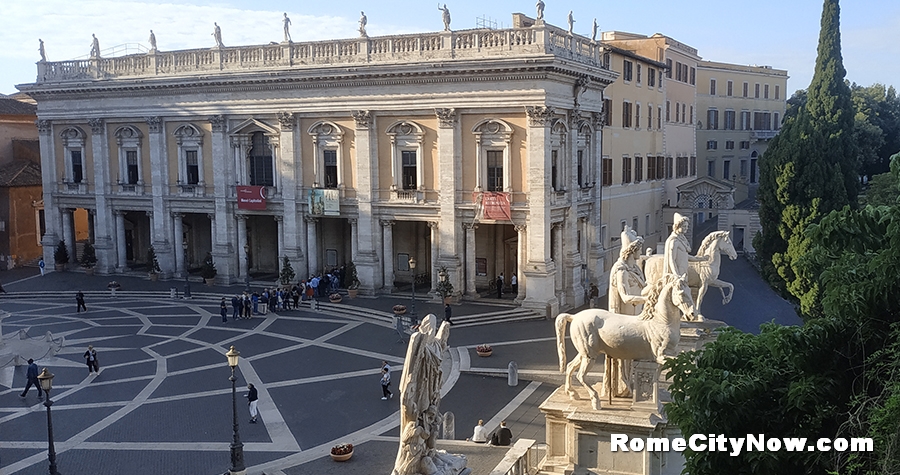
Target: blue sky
[(782, 34)]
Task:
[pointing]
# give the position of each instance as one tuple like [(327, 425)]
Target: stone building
[(474, 150)]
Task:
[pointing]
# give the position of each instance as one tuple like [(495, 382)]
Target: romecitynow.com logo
[(735, 445)]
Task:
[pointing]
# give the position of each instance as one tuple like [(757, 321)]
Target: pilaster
[(540, 270), (223, 248), (107, 251), (52, 223), (366, 260), (288, 158), (449, 144), (159, 180)]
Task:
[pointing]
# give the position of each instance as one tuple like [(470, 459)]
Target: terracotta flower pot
[(337, 300), (484, 354), (342, 458)]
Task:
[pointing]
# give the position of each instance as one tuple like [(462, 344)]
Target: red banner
[(251, 197), (495, 206)]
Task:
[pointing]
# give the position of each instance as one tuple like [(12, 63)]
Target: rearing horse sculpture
[(703, 274), (651, 336)]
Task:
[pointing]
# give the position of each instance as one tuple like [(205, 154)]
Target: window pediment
[(188, 134), (128, 135), (72, 136)]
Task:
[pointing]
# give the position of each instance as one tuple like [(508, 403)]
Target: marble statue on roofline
[(41, 50), (540, 10), (594, 31), (152, 41), (571, 22), (445, 16), (95, 47), (287, 28), (217, 35), (362, 24)]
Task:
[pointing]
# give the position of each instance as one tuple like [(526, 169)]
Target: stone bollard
[(449, 428), (112, 291), (173, 293), (513, 379)]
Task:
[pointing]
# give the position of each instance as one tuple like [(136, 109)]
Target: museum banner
[(325, 202), (493, 205), (251, 197)]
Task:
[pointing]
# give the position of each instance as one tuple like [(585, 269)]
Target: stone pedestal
[(579, 437)]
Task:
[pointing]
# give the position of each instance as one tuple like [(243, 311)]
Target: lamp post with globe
[(46, 381), (237, 448), (412, 310)]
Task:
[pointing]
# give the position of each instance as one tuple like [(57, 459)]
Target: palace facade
[(478, 151)]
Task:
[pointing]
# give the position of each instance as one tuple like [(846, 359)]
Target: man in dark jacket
[(32, 376), (503, 436), (252, 397)]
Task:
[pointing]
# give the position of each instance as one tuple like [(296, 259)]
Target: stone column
[(92, 234), (433, 225), (449, 157), (540, 271), (312, 244), (289, 159), (66, 220), (596, 265), (122, 261), (213, 239), (470, 259), (178, 243), (556, 233), (159, 189), (366, 255), (107, 250), (388, 254), (354, 240), (242, 241), (52, 223), (279, 224), (521, 259), (223, 178)]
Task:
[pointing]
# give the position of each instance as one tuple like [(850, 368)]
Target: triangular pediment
[(253, 125), (706, 192), (706, 182)]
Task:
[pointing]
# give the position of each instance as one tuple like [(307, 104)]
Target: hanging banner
[(493, 205), (251, 197), (324, 202)]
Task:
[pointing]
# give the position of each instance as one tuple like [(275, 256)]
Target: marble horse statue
[(702, 274), (651, 336)]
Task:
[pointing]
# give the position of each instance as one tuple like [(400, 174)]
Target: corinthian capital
[(287, 120), (539, 115), (363, 119), (446, 117)]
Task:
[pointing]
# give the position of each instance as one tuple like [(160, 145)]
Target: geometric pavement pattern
[(162, 399)]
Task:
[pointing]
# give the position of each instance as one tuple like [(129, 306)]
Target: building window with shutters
[(494, 170), (626, 170), (410, 175), (128, 139), (638, 169), (606, 172), (626, 115), (330, 169)]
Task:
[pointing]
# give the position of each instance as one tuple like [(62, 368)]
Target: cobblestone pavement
[(162, 401)]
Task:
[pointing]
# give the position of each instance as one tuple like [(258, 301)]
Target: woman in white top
[(480, 435)]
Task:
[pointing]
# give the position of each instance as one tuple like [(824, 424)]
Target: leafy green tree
[(810, 168), (287, 272)]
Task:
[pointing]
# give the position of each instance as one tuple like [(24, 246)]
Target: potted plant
[(353, 280), (484, 350), (444, 287), (88, 258), (208, 270), (342, 452), (61, 256), (399, 309), (335, 297), (153, 264), (287, 272)]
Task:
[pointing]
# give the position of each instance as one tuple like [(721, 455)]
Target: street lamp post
[(46, 380), (237, 448), (412, 314), (247, 276), (187, 281)]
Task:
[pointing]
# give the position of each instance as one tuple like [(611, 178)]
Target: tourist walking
[(32, 375), (223, 309), (514, 282), (447, 313), (79, 301), (386, 384), (252, 398), (90, 359), (236, 307), (41, 265)]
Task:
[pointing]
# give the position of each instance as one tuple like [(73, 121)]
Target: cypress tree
[(809, 169)]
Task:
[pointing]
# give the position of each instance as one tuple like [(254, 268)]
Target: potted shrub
[(287, 272), (61, 256), (208, 270), (335, 297), (484, 350), (353, 280), (88, 258), (342, 452), (399, 309), (444, 287), (152, 264)]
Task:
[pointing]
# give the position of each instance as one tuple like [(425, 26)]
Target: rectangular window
[(638, 79), (766, 91), (729, 88), (606, 173), (712, 87), (651, 79), (637, 116), (681, 167), (762, 121), (580, 171), (409, 174), (554, 169), (777, 91), (692, 115), (660, 168), (668, 111), (607, 112), (331, 178), (744, 168), (495, 170), (626, 114), (745, 120), (712, 144), (651, 168), (193, 168), (746, 88), (745, 145), (678, 72), (626, 170), (693, 76), (729, 145), (726, 169), (777, 122), (131, 166), (261, 172), (677, 112), (693, 170), (756, 91), (668, 69), (659, 118), (729, 120), (649, 117), (626, 70), (77, 166), (634, 224), (638, 169), (670, 168), (711, 168), (712, 119)]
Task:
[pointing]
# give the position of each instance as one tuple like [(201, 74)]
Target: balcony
[(70, 187), (131, 188), (407, 196), (763, 134)]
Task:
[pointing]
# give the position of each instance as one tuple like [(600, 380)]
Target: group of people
[(502, 437), (501, 282)]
